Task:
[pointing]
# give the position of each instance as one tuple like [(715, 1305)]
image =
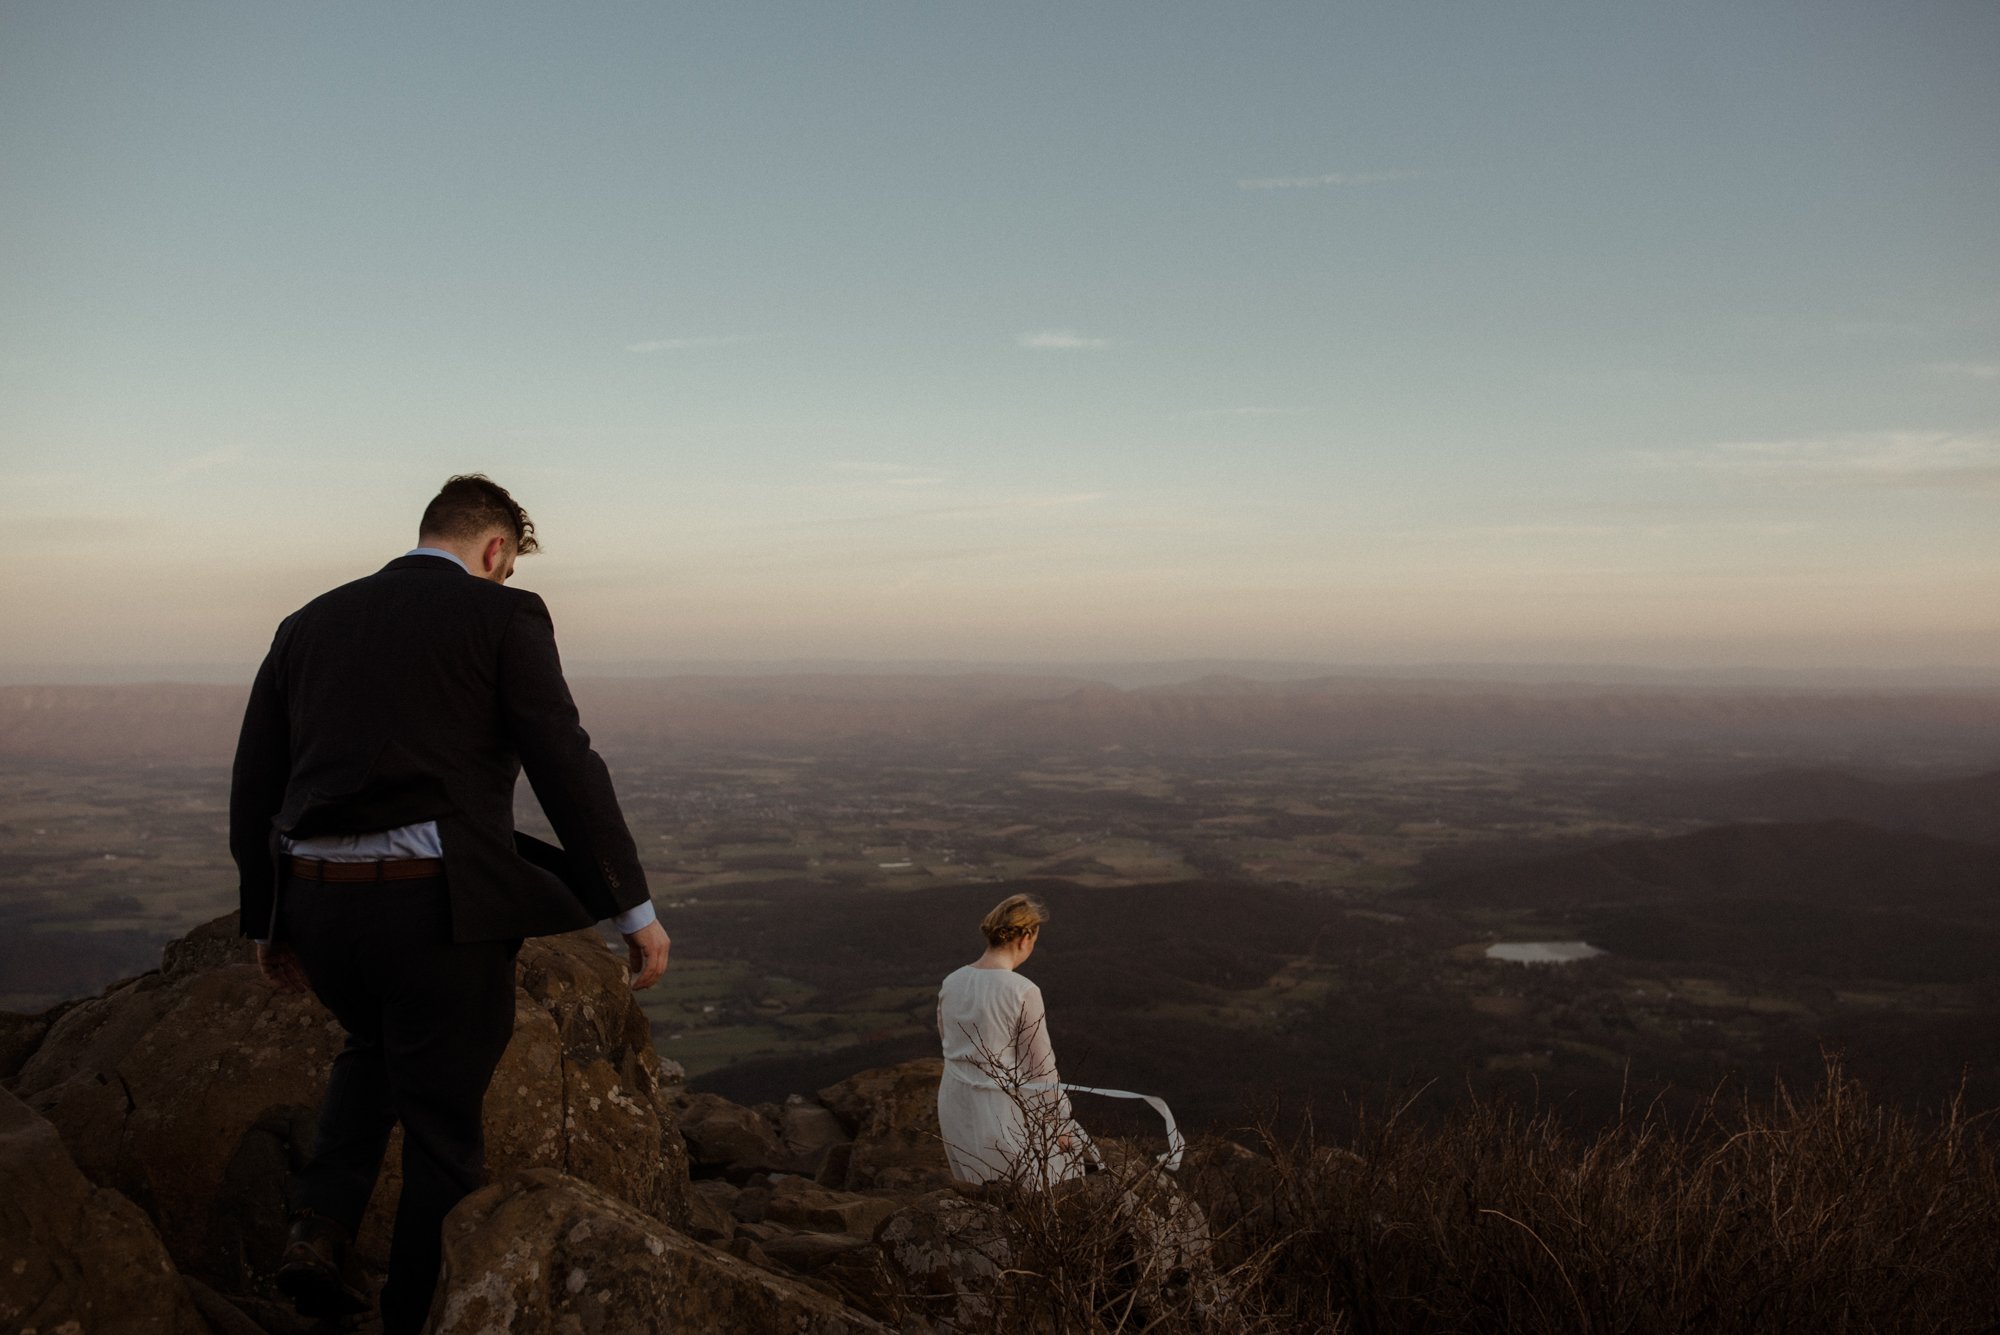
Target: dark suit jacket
[(420, 693)]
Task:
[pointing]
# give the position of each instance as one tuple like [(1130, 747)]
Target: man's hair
[(472, 505)]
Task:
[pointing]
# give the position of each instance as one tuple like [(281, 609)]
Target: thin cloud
[(1881, 458), (1548, 530), (1005, 505), (1238, 412), (1322, 181), (689, 343), (1976, 370), (1061, 340), (1055, 502), (1769, 529)]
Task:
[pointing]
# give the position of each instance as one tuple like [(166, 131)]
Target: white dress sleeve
[(1036, 1057)]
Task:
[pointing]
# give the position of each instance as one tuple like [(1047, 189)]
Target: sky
[(1662, 335)]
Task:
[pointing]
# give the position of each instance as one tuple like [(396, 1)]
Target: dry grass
[(1823, 1213)]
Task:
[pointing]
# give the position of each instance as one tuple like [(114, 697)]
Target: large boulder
[(891, 1115), (787, 1223), (1158, 1236), (537, 1252), (79, 1258), (709, 1216), (611, 1123), (729, 1139), (193, 1089), (1000, 1255), (808, 1130), (799, 1203), (20, 1035), (185, 1081), (950, 1254)]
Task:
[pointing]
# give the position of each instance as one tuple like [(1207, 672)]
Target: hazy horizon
[(1132, 673), (1660, 338)]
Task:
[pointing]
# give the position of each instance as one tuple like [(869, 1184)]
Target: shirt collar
[(439, 551)]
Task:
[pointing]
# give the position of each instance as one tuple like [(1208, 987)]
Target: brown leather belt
[(409, 869)]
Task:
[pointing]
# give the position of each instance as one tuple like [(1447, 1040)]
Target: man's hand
[(649, 947), (281, 967)]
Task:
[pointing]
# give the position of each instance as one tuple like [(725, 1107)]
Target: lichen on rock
[(78, 1258), (192, 1091), (540, 1252)]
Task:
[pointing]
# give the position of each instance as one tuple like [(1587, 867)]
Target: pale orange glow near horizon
[(1338, 338)]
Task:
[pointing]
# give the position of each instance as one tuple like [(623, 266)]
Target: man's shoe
[(314, 1272)]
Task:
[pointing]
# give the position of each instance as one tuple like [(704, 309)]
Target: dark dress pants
[(427, 1019)]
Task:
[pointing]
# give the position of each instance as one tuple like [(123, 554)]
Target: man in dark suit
[(372, 820)]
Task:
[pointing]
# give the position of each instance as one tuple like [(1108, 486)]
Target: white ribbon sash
[(1176, 1143)]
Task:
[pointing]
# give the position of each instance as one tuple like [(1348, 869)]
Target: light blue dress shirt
[(420, 840)]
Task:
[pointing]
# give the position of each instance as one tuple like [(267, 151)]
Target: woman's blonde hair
[(1013, 918)]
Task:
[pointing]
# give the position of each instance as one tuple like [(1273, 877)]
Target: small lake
[(1542, 952)]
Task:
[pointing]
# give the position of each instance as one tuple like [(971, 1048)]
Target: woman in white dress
[(1000, 1106)]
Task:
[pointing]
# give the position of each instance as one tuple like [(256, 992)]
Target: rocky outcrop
[(20, 1035), (890, 1114), (151, 1199), (1127, 1232), (792, 1225), (800, 1204), (947, 1253), (1156, 1235), (192, 1090), (874, 1131), (612, 1121), (808, 1129), (727, 1138), (78, 1258), (805, 1188), (189, 1090), (540, 1252)]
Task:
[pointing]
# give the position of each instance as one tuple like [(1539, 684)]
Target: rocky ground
[(145, 1136)]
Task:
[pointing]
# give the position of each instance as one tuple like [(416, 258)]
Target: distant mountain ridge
[(197, 724), (1132, 673), (161, 722)]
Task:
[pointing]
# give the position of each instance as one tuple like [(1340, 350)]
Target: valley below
[(1253, 930)]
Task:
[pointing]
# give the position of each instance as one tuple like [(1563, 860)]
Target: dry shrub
[(1824, 1213), (1098, 1238), (1125, 1248), (1828, 1213)]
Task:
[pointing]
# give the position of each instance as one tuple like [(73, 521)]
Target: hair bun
[(1013, 918)]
